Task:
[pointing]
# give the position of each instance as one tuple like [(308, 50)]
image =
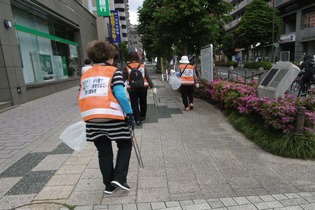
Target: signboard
[(285, 38), (103, 8), (207, 62), (114, 27)]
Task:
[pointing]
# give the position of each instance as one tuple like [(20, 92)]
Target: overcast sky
[(133, 6)]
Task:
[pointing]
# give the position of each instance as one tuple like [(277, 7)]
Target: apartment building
[(134, 41), (103, 23), (42, 46), (298, 35)]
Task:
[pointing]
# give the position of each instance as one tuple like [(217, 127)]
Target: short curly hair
[(100, 51)]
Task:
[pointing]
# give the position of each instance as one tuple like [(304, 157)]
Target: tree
[(228, 45), (256, 25), (123, 51), (185, 25)]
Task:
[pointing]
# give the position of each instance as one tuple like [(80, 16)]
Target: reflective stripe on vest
[(141, 69), (187, 77), (96, 99)]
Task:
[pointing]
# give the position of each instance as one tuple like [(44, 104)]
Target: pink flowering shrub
[(278, 113)]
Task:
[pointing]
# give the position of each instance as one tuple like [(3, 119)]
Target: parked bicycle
[(296, 87)]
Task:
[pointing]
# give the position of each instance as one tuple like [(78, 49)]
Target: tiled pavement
[(193, 160)]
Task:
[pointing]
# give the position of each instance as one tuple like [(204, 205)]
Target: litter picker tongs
[(136, 148)]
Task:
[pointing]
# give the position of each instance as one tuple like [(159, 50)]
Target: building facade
[(128, 32), (42, 47), (134, 39), (103, 23), (298, 35)]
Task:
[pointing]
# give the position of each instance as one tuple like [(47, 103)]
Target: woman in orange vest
[(138, 95), (188, 80), (105, 108)]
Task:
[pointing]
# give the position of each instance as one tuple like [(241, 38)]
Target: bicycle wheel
[(295, 86)]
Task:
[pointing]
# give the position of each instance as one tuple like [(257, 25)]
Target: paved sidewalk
[(192, 160)]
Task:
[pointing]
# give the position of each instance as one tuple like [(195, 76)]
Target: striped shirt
[(109, 129)]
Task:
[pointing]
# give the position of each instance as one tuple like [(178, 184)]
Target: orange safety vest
[(141, 69), (96, 99), (187, 77)]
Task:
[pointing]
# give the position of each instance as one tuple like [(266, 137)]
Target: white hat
[(184, 59)]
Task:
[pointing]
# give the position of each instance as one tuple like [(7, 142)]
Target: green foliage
[(256, 65), (297, 63), (256, 125), (202, 92), (273, 141), (256, 25), (184, 24), (228, 45), (123, 51)]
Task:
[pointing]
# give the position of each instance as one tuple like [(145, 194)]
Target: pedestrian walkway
[(193, 160)]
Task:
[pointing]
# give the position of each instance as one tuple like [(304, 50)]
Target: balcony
[(232, 24), (307, 34), (281, 2), (240, 7)]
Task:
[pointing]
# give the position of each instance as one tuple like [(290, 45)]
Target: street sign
[(103, 8)]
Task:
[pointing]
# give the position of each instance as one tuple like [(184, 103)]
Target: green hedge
[(271, 140), (256, 65)]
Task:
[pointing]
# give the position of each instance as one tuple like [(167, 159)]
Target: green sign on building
[(103, 8)]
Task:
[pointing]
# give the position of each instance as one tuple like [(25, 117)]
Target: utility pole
[(273, 33)]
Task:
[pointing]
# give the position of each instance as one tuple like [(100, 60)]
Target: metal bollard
[(300, 119)]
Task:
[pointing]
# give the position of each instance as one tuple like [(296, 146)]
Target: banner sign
[(114, 27), (103, 8)]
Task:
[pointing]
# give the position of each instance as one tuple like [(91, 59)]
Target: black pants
[(105, 156), (138, 96), (187, 92), (304, 81)]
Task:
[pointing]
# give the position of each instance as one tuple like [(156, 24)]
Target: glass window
[(28, 46), (308, 18), (47, 47)]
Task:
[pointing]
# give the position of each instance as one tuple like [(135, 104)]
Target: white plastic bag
[(74, 136), (174, 82)]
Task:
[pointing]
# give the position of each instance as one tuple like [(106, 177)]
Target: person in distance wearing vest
[(106, 110), (138, 90), (188, 80)]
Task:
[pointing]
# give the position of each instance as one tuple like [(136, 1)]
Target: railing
[(234, 76), (249, 75)]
